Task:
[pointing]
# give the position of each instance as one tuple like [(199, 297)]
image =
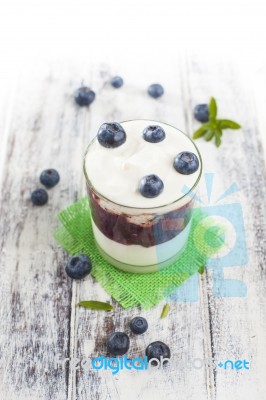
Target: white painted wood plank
[(258, 81), (35, 295), (34, 268), (182, 330), (7, 101), (237, 324)]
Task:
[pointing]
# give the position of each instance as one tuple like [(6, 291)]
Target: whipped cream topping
[(115, 173)]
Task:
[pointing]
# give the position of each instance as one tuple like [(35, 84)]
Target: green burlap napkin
[(131, 289)]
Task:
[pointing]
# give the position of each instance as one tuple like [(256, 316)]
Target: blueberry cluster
[(49, 178), (84, 95), (118, 342), (112, 135)]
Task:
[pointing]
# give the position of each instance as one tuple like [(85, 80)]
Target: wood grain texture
[(35, 292), (182, 330), (258, 97), (237, 324), (7, 99), (39, 320)]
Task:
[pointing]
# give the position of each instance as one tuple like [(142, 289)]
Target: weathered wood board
[(39, 320)]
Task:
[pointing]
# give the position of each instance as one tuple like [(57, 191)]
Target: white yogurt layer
[(116, 173), (137, 255)]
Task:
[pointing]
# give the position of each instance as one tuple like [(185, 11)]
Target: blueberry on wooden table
[(186, 163), (117, 82), (49, 177), (151, 186), (78, 266), (111, 135), (201, 112), (153, 134), (39, 197), (157, 350), (118, 343), (84, 96), (138, 325), (155, 90)]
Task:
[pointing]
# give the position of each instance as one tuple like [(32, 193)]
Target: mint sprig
[(214, 127)]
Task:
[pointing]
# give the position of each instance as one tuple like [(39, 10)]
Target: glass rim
[(142, 208)]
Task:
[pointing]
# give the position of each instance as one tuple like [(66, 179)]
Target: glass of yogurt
[(141, 179)]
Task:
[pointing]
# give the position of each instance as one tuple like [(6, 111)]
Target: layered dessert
[(141, 176)]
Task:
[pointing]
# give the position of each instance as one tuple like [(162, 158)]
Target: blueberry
[(186, 163), (151, 186), (78, 266), (39, 197), (201, 112), (155, 90), (49, 177), (111, 135), (156, 350), (117, 82), (118, 343), (84, 96), (153, 134), (138, 325)]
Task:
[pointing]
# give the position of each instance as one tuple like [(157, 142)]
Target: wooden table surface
[(41, 127)]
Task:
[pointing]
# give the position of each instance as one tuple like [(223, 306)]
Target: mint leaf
[(218, 135), (213, 109), (214, 127), (201, 131), (217, 140), (219, 131), (228, 124), (209, 135), (165, 311), (95, 305)]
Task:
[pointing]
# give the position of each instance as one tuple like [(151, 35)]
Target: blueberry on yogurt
[(111, 135), (186, 163), (153, 134), (151, 186)]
